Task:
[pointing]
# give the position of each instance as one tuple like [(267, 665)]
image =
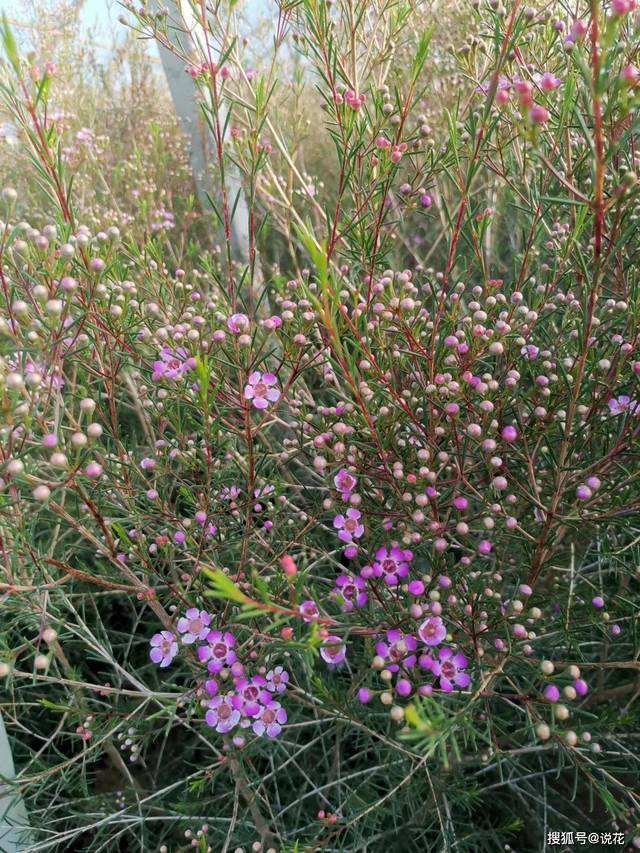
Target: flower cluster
[(254, 700)]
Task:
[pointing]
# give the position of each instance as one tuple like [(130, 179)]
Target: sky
[(101, 16)]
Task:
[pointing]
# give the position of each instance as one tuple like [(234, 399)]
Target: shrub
[(334, 547)]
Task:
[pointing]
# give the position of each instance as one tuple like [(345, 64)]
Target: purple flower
[(623, 404), (172, 364), (163, 648), (224, 712), (349, 525), (345, 482), (398, 650), (530, 351), (253, 695), (218, 651), (449, 668), (194, 625), (392, 564), (432, 631), (272, 717), (277, 680), (503, 83), (350, 592), (229, 493), (260, 389), (548, 81), (264, 491), (238, 323), (309, 611), (334, 651)]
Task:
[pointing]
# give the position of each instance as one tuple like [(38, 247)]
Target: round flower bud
[(543, 731), (41, 493)]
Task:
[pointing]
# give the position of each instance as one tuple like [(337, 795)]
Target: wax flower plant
[(331, 542)]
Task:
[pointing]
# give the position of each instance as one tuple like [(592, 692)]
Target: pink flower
[(334, 651), (354, 101), (252, 693), (345, 482), (229, 493), (309, 611), (172, 364), (194, 625), (524, 90), (163, 648), (449, 669), (630, 75), (350, 592), (530, 351), (224, 712), (398, 650), (392, 564), (397, 151), (548, 82), (539, 115), (579, 29), (260, 389), (272, 717), (622, 7), (624, 404), (277, 680), (432, 631), (349, 525), (238, 323), (218, 651)]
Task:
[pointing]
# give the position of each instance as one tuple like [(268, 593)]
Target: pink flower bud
[(630, 75), (539, 115)]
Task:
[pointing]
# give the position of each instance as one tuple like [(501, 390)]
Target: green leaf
[(10, 46), (223, 587), (421, 53)]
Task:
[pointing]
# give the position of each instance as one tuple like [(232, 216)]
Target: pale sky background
[(100, 13), (99, 16), (103, 14)]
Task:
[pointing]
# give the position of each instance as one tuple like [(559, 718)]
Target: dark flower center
[(219, 650)]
